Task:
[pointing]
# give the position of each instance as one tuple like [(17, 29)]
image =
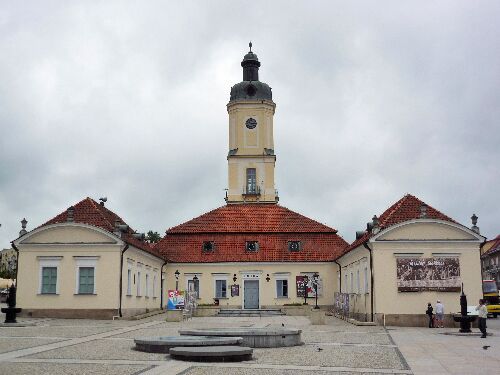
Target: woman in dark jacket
[(429, 313)]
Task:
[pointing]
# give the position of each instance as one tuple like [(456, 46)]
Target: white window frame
[(198, 275), (146, 287), (48, 261), (282, 277), (129, 277), (85, 261), (138, 283), (222, 278), (358, 282), (346, 289), (155, 278), (366, 279), (352, 282)]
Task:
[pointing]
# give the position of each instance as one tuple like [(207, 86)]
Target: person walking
[(482, 313), (439, 314), (429, 312)]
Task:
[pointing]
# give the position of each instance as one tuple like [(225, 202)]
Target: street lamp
[(177, 273), (315, 283), (305, 281), (195, 281)]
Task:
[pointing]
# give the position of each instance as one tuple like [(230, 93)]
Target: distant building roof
[(405, 209), (88, 211), (494, 246), (231, 226)]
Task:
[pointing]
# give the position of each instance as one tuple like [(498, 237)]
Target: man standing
[(439, 314), (482, 313)]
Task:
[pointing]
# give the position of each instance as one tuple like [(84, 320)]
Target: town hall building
[(251, 252)]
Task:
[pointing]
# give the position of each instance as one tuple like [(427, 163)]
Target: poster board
[(175, 299), (235, 290), (428, 274), (299, 283)]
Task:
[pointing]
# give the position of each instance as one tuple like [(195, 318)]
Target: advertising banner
[(175, 299), (299, 282), (425, 274)]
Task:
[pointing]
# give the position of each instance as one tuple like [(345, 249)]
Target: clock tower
[(251, 157)]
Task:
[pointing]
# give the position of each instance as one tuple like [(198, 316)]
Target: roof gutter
[(161, 284), (121, 279), (340, 274), (371, 277)]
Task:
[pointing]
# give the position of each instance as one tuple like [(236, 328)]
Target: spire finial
[(250, 45)]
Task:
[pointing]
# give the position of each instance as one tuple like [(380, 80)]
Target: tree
[(153, 237)]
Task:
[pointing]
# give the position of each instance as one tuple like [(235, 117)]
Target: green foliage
[(153, 237)]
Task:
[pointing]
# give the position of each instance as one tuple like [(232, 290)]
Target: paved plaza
[(70, 346)]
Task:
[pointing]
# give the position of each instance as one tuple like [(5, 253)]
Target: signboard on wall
[(235, 290), (299, 282), (175, 299), (425, 274)]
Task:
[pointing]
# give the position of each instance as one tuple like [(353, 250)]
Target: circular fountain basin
[(266, 337), (163, 344)]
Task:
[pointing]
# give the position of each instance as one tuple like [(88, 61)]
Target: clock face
[(251, 123), (294, 245)]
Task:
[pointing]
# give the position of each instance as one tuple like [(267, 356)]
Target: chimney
[(474, 227), (423, 211), (23, 231), (359, 234), (70, 214), (117, 232), (375, 224)]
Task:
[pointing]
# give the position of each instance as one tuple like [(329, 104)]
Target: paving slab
[(64, 369), (15, 343)]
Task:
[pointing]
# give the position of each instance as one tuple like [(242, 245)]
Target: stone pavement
[(68, 346)]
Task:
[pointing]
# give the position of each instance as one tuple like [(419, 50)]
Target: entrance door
[(251, 294)]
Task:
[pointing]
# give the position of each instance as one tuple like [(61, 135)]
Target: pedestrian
[(439, 314), (429, 312), (482, 313)]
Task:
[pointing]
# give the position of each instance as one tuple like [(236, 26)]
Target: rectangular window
[(366, 279), (352, 283), (49, 280), (220, 288), (358, 282), (86, 280), (129, 282), (346, 289), (154, 286), (251, 180), (195, 285), (139, 284), (147, 285), (282, 288)]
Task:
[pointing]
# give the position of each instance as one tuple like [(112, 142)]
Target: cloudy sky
[(127, 100)]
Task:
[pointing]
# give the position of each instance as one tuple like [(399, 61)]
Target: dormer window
[(252, 246), (294, 246), (208, 246)]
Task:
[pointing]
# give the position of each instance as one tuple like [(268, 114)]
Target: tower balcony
[(251, 191)]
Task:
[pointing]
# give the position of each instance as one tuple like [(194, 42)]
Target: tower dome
[(251, 88)]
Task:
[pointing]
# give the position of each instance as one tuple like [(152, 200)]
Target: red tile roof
[(407, 208), (248, 218), (495, 247), (229, 227), (88, 211)]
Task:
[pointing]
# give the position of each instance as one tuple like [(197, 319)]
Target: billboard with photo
[(425, 274)]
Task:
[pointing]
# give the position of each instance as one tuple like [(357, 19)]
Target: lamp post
[(305, 281), (177, 273), (195, 281), (315, 283)]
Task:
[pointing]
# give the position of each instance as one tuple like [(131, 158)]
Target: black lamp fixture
[(315, 283), (234, 278), (268, 278), (195, 279), (177, 273)]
